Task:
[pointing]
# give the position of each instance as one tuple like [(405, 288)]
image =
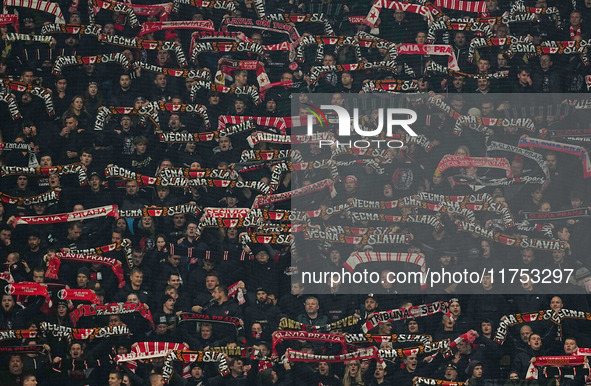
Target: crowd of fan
[(171, 282)]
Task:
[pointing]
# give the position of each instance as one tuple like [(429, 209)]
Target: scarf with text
[(187, 108), (261, 136), (226, 68), (249, 91), (417, 311), (151, 45), (161, 211), (396, 85), (44, 6), (532, 155), (559, 215), (65, 61), (568, 47), (10, 100), (277, 122), (371, 257), (52, 195), (103, 113), (75, 168), (427, 10), (176, 72), (417, 381), (29, 289), (110, 309), (102, 211), (302, 18), (225, 5), (477, 43), (124, 245), (553, 361), (261, 24), (38, 91), (17, 334), (431, 49), (148, 351), (281, 336), (459, 161), (49, 329), (482, 124), (317, 71), (13, 37), (321, 41), (520, 8), (36, 349), (153, 26), (190, 357), (575, 150), (94, 6), (395, 338), (437, 68), (468, 25), (290, 324), (512, 241), (78, 294), (249, 47), (10, 19), (553, 316), (54, 264), (284, 196), (191, 317), (74, 29), (364, 353)]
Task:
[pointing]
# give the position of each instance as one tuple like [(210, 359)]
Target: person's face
[(337, 99), (486, 282), (241, 79), (501, 32), (224, 143), (174, 280), (45, 161), (76, 351), (287, 77), (524, 333), (81, 280), (323, 368), (137, 278), (545, 207), (535, 342), (124, 82), (551, 161), (501, 60), (451, 373), (31, 381), (160, 243), (524, 78), (262, 257), (556, 303), (328, 60), (379, 373), (169, 304), (575, 19), (370, 304), (126, 122), (576, 202), (92, 89), (174, 260), (350, 185), (206, 332), (459, 84), (239, 106), (162, 56), (61, 85), (545, 62), (196, 372), (33, 242), (160, 81), (86, 159), (455, 308), (15, 366), (232, 233), (271, 106), (486, 328), (482, 84), (261, 296), (131, 188), (28, 77), (483, 65), (109, 29), (558, 255), (77, 104), (7, 302), (421, 38), (22, 182), (411, 362), (178, 220), (132, 298), (211, 282), (527, 256), (477, 373), (564, 234), (311, 306)]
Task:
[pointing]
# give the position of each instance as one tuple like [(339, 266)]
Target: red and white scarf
[(431, 49), (315, 187), (378, 5), (575, 150), (45, 6), (153, 26), (405, 313), (369, 257), (78, 294), (465, 6), (553, 361), (277, 122), (281, 335), (102, 211), (459, 161), (110, 309), (54, 264), (190, 357), (364, 353), (29, 289)]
